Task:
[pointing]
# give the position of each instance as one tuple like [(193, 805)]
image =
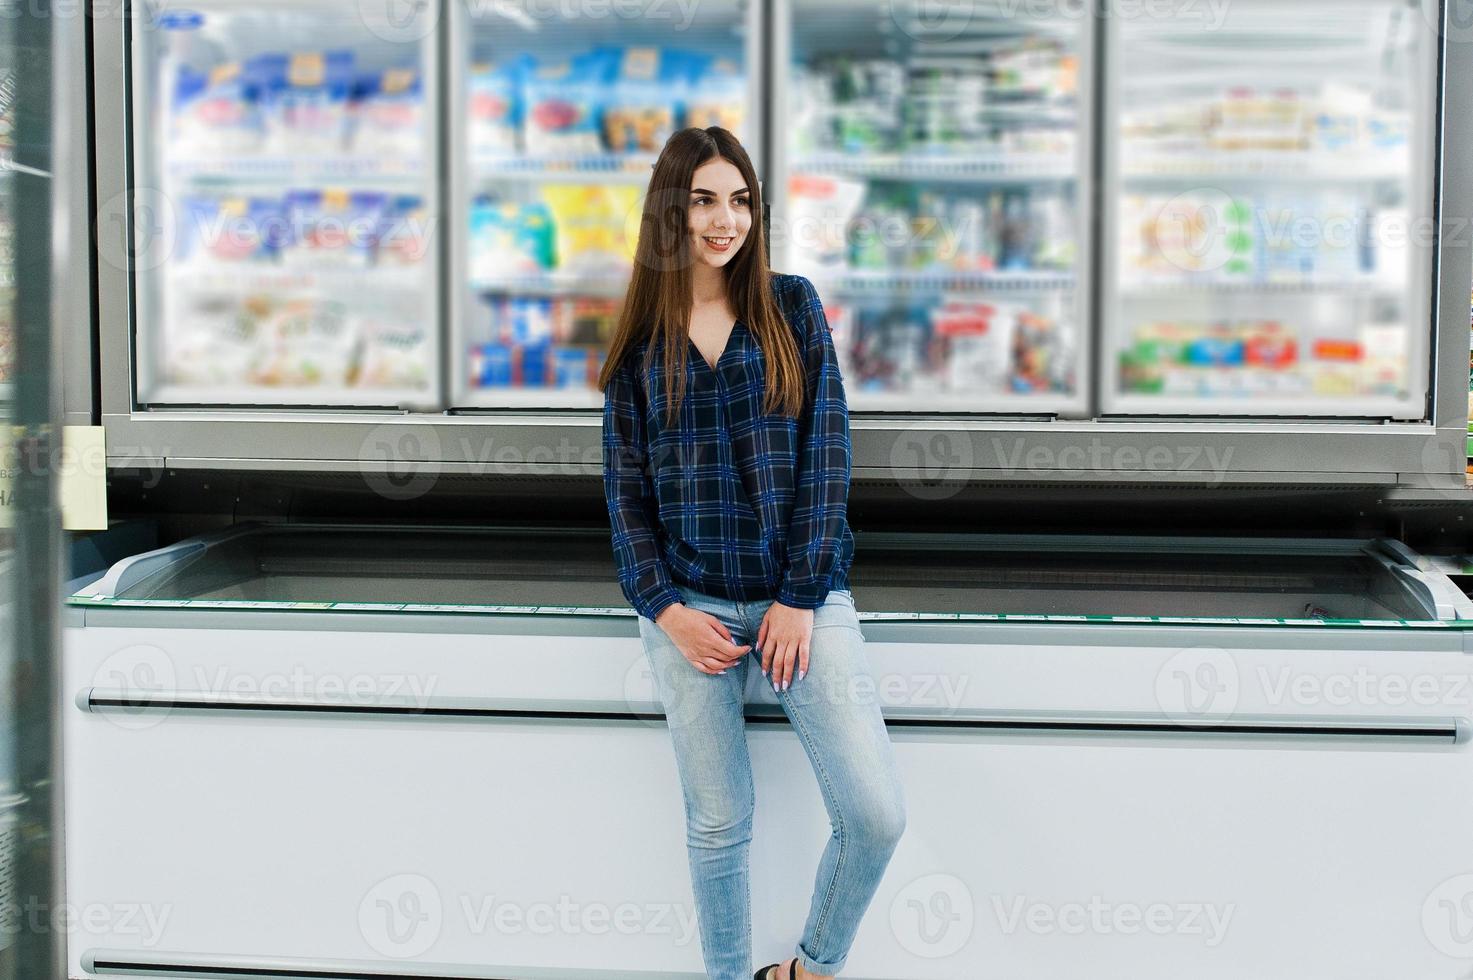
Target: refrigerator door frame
[(1420, 307), (937, 454)]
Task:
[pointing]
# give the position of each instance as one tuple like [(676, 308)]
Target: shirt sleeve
[(815, 534), (643, 576)]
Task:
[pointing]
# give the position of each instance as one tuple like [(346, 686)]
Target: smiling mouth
[(719, 242)]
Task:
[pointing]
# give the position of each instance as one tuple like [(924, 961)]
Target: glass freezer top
[(895, 576)]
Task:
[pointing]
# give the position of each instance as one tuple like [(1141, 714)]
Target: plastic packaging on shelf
[(1244, 358), (332, 228), (562, 101), (593, 224), (717, 95), (215, 114), (538, 342), (405, 237), (643, 95), (308, 342), (510, 239), (304, 98), (388, 116), (494, 107)]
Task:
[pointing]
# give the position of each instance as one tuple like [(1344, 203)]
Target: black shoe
[(792, 970)]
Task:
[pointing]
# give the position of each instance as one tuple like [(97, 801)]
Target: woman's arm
[(643, 576), (815, 533)]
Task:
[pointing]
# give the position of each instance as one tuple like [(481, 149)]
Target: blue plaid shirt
[(730, 501)]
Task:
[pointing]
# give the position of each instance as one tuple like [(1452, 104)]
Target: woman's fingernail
[(785, 685), (802, 674), (721, 672)]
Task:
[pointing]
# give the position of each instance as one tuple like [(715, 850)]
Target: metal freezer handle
[(1445, 729)]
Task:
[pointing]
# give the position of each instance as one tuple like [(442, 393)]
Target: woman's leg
[(835, 711), (706, 717)]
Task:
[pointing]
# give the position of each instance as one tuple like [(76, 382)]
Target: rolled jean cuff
[(814, 966)]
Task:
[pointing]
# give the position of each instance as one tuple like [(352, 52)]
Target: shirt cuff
[(651, 608), (803, 598)]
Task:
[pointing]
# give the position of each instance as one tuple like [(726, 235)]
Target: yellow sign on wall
[(80, 469)]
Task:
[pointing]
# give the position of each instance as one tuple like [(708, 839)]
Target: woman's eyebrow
[(702, 190)]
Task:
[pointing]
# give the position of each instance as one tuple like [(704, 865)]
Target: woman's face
[(720, 212)]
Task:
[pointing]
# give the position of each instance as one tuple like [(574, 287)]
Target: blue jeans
[(839, 724)]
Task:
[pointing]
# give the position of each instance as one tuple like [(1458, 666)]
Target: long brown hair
[(658, 303)]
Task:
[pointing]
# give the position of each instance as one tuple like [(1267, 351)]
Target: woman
[(726, 468)]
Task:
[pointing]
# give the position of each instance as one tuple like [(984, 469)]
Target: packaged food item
[(509, 239), (395, 354), (589, 321), (562, 102), (593, 223), (404, 238), (490, 365), (1269, 345), (307, 342), (304, 101), (820, 209), (717, 95), (986, 349), (1037, 355), (571, 366), (644, 89), (1384, 368), (332, 228), (213, 343), (214, 114), (389, 115), (494, 108), (214, 231)]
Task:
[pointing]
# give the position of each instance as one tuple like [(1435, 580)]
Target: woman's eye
[(743, 201), (702, 200)]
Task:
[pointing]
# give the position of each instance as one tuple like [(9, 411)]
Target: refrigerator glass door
[(1269, 191), (932, 168), (557, 116), (285, 166)]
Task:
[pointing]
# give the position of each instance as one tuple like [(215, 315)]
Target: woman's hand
[(701, 637), (783, 641)]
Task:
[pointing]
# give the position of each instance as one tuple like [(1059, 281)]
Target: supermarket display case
[(560, 120), (299, 729), (284, 164), (1265, 201), (1048, 342), (935, 186)]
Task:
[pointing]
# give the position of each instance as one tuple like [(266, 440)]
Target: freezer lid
[(1089, 578)]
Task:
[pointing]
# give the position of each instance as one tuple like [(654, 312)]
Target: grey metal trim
[(1447, 451), (1211, 453), (1165, 636), (210, 966), (1402, 730), (72, 233)]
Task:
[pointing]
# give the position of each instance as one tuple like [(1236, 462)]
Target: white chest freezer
[(344, 751)]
